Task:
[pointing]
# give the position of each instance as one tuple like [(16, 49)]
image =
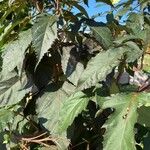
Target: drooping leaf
[(13, 89), (72, 106), (103, 35), (120, 126), (44, 33), (14, 52)]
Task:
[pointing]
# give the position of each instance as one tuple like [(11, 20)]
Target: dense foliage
[(70, 82)]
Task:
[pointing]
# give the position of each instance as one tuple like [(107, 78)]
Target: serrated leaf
[(6, 116), (49, 106), (12, 89), (14, 52), (120, 126), (71, 108), (103, 35), (98, 68), (44, 33)]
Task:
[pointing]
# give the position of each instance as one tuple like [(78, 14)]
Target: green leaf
[(44, 33), (133, 52), (103, 35), (13, 89), (6, 116), (120, 126), (49, 105), (98, 68), (14, 52), (135, 22), (144, 115), (72, 107)]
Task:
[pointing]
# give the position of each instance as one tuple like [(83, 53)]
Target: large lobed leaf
[(44, 33), (120, 126), (14, 52)]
